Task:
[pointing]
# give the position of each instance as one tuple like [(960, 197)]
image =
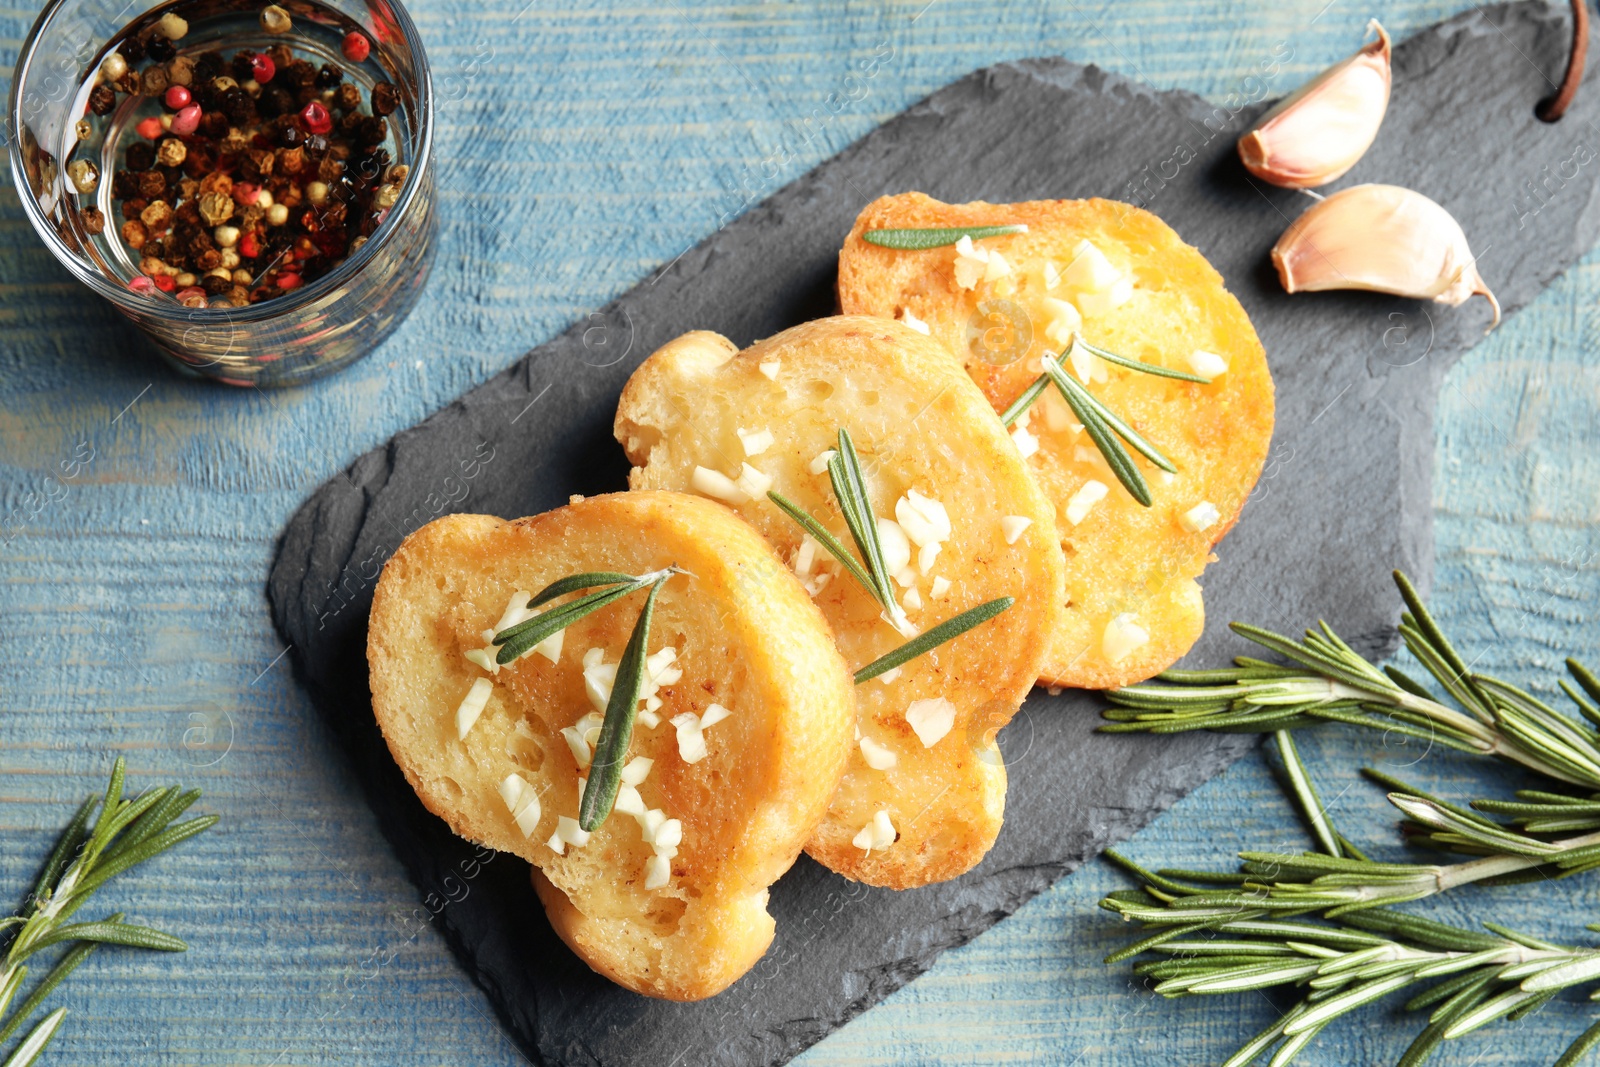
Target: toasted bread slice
[(1133, 605), (747, 638), (919, 425)]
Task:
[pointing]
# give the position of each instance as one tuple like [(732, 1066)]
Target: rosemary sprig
[(1329, 681), (936, 237), (125, 834), (515, 640), (1102, 424), (1364, 956), (616, 732), (855, 505), (948, 630)]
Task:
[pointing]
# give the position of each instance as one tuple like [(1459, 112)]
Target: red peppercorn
[(356, 47), (177, 97), (288, 281), (249, 247), (149, 128), (315, 118), (262, 68), (165, 282)]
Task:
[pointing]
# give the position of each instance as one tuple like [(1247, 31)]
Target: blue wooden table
[(578, 150)]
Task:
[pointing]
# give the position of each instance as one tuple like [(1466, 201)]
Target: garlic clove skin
[(1385, 239), (1318, 132)]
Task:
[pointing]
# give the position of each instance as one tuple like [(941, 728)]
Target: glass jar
[(315, 328)]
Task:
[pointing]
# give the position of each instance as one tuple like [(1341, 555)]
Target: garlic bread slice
[(961, 521), (1123, 280), (668, 895)]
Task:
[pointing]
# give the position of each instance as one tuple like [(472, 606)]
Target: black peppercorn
[(214, 284), (124, 184), (141, 155), (132, 50), (159, 48), (385, 98), (240, 67), (347, 98), (371, 131), (94, 222), (329, 76), (291, 137), (102, 99), (316, 146), (299, 73), (200, 160), (152, 184), (274, 101), (237, 105), (207, 65)]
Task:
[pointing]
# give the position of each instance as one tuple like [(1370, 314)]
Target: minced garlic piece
[(912, 601), (878, 757), (997, 267), (931, 719), (923, 518), (888, 677), (691, 731), (568, 830), (971, 263), (1084, 500), (472, 706), (717, 485), (805, 555), (941, 586), (1026, 443), (636, 770), (753, 483), (1207, 364), (819, 465), (522, 801), (755, 442), (1090, 271), (657, 872), (479, 657), (1013, 526), (1202, 516), (629, 801), (914, 322), (557, 845), (1064, 321), (879, 833), (770, 370), (579, 745), (1123, 636), (895, 544), (1105, 303)]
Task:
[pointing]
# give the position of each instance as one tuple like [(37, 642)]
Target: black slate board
[(1345, 496)]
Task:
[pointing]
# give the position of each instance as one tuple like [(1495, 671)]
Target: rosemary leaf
[(1116, 456), (1579, 1049), (948, 630), (515, 640), (616, 733), (575, 582), (935, 237), (64, 966), (1147, 368), (1305, 795), (850, 489), (820, 534), (68, 843), (1025, 400), (1114, 421), (29, 1050), (109, 932)]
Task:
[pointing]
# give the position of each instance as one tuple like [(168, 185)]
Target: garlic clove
[(1318, 132), (1381, 238)]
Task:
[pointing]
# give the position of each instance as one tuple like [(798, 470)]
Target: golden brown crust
[(920, 424), (1122, 558), (746, 809)]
